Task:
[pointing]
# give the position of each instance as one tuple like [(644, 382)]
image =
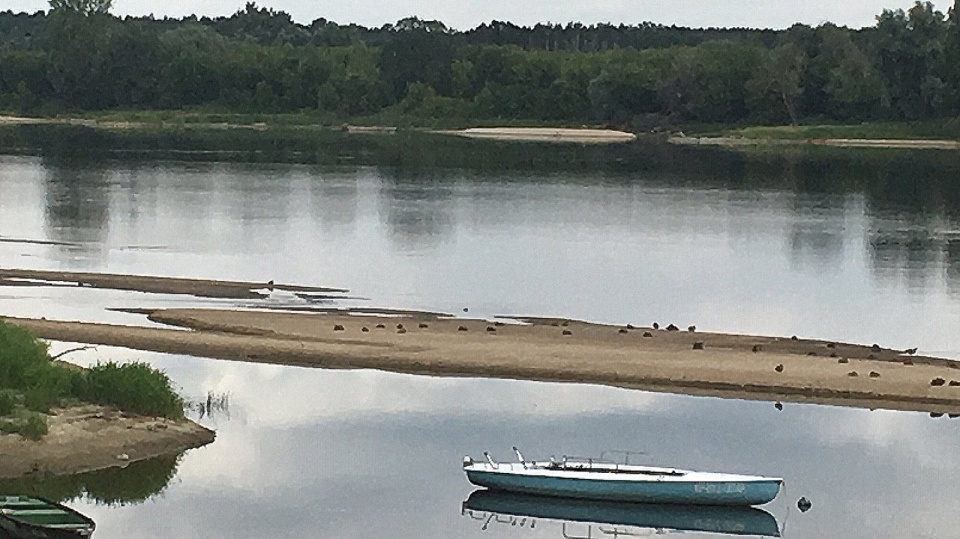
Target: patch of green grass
[(8, 403), (31, 425), (31, 384), (134, 387), (940, 129)]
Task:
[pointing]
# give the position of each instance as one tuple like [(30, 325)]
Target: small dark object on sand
[(831, 345), (794, 338), (499, 324), (623, 330), (401, 331), (491, 329), (698, 345), (631, 326), (567, 332), (565, 323), (422, 325), (874, 374), (399, 326), (953, 383), (338, 327), (875, 347), (937, 382), (843, 360), (462, 328), (756, 348), (672, 327), (811, 353), (852, 374), (381, 326), (779, 368), (647, 334), (365, 329), (691, 329), (833, 354), (804, 505)]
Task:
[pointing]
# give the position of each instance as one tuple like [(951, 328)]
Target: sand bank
[(160, 285), (736, 366), (546, 134), (87, 438)]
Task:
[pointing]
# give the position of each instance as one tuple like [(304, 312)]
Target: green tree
[(779, 77)]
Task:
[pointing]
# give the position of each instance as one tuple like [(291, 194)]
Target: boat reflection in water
[(490, 506)]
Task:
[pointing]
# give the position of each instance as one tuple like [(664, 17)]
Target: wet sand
[(160, 285), (88, 438), (733, 366)]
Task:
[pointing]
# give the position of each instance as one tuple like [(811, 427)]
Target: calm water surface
[(856, 248)]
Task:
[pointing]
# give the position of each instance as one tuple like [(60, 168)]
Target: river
[(848, 245)]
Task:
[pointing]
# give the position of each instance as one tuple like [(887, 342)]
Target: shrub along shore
[(36, 392)]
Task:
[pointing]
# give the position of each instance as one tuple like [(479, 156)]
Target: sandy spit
[(153, 284), (546, 134), (733, 366), (87, 438)]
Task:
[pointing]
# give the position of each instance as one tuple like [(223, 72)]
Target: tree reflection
[(418, 208), (133, 484), (77, 191)]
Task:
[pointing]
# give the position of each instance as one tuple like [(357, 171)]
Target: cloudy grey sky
[(464, 14)]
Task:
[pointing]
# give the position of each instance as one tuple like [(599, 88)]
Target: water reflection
[(130, 485), (500, 508), (77, 203)]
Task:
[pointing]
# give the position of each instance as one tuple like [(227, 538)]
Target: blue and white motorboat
[(597, 480)]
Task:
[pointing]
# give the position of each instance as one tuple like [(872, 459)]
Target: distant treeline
[(78, 57)]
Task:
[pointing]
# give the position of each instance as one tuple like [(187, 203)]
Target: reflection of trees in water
[(77, 190), (817, 232), (133, 484), (418, 208), (334, 200), (213, 406)]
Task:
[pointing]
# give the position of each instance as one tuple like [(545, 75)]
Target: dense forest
[(77, 57)]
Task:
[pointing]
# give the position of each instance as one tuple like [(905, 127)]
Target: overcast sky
[(465, 14)]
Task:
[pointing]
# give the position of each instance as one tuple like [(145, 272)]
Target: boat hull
[(29, 517), (751, 492)]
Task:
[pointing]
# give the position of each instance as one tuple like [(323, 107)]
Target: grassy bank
[(932, 130), (31, 384), (308, 119)]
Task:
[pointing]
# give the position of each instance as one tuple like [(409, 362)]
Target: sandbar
[(546, 134), (203, 288), (689, 362)]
